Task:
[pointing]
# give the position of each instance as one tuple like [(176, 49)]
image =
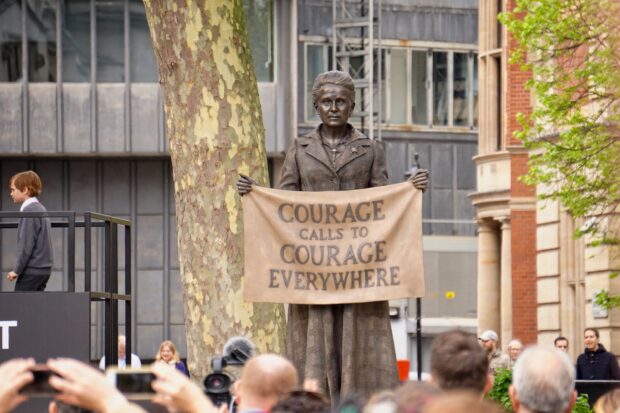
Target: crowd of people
[(462, 373), (595, 363)]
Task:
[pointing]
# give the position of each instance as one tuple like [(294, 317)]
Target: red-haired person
[(168, 354), (34, 244)]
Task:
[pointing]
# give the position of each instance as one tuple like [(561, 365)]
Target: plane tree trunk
[(215, 130)]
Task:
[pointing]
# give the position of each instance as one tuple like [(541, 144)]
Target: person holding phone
[(14, 374), (80, 385)]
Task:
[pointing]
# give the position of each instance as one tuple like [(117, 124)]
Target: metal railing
[(110, 294)]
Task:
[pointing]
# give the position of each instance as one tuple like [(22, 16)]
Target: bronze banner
[(333, 247)]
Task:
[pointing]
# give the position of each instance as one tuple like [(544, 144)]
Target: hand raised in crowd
[(420, 179), (177, 393), (311, 385), (14, 374), (244, 184), (80, 385)]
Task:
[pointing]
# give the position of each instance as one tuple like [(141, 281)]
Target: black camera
[(218, 383)]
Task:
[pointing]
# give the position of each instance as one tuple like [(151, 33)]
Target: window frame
[(388, 46)]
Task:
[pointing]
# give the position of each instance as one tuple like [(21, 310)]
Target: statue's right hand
[(244, 184)]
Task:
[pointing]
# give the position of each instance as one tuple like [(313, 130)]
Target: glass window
[(76, 41), (10, 42), (419, 110), (143, 64), (497, 93), (375, 89), (41, 29), (440, 88), (259, 18), (356, 66), (110, 41), (315, 64), (475, 97), (398, 86), (460, 95)]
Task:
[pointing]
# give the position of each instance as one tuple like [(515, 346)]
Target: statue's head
[(333, 95)]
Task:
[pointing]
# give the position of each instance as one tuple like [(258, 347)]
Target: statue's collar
[(354, 133)]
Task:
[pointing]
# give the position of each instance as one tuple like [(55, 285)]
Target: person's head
[(25, 185), (461, 402), (561, 343), (333, 96), (167, 352), (458, 362), (381, 402), (591, 338), (608, 402), (414, 395), (302, 401), (122, 343), (543, 381), (488, 341), (264, 380), (515, 347)]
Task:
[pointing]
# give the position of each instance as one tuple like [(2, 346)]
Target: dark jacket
[(597, 365), (307, 166), (34, 243)]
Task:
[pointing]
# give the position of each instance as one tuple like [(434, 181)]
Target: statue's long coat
[(348, 348)]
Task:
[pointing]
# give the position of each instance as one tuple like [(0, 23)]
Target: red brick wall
[(522, 223), (517, 99), (523, 249)]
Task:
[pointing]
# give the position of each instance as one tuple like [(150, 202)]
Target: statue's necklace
[(335, 147)]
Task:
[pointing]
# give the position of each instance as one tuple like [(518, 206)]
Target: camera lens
[(217, 383)]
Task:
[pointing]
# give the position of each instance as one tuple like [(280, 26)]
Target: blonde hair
[(175, 355), (608, 402)]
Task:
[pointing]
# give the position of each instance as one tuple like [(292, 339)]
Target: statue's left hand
[(420, 179)]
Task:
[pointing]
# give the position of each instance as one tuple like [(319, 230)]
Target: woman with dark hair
[(346, 348)]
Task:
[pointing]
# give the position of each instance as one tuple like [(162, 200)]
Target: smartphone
[(40, 386), (135, 384)]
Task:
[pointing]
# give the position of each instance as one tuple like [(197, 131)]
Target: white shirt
[(122, 363), (27, 202)]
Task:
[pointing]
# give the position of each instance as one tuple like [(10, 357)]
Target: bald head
[(265, 379)]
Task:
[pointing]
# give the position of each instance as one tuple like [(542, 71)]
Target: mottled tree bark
[(215, 130)]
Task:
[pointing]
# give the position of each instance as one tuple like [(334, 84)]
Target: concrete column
[(488, 277), (506, 284)]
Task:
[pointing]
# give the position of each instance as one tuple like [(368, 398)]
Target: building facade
[(82, 106), (538, 281), (505, 207)]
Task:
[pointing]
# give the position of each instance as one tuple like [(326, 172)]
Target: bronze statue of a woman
[(345, 348)]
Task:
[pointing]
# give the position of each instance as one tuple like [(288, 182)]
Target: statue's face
[(334, 105)]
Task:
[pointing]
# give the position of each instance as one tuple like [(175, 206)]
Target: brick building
[(535, 281), (505, 207)]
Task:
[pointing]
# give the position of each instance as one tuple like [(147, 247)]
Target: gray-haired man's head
[(543, 381)]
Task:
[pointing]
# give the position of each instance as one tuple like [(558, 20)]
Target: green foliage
[(499, 392), (607, 301), (582, 405), (503, 380), (571, 48)]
